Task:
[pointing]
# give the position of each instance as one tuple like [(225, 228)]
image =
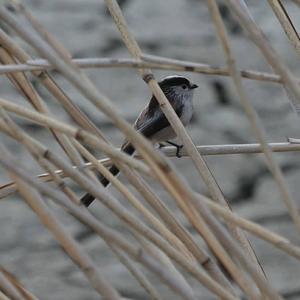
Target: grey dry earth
[(183, 30)]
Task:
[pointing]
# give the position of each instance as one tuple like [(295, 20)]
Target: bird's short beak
[(194, 86)]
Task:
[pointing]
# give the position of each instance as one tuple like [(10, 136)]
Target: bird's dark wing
[(146, 114), (152, 120), (154, 125)]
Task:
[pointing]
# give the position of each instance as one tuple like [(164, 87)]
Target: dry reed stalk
[(162, 259), (11, 128), (252, 116), (146, 61), (205, 261), (257, 36), (123, 259), (59, 181), (291, 205), (168, 218), (73, 249), (112, 204), (34, 200), (217, 248), (137, 274), (271, 237), (78, 116), (31, 146), (40, 152), (256, 229), (36, 151), (198, 161), (204, 231), (170, 114), (3, 297), (8, 288), (66, 241), (165, 106), (88, 90), (259, 231), (200, 226), (190, 66), (286, 23), (82, 135), (170, 151), (22, 84), (222, 35), (234, 248), (25, 87), (14, 281), (50, 84), (47, 36), (158, 165), (168, 235), (110, 235), (59, 46)]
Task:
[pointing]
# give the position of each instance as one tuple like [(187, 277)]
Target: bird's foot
[(178, 148)]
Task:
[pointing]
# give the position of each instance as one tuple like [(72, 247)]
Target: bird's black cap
[(175, 80)]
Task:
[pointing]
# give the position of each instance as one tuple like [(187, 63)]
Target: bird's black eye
[(184, 86)]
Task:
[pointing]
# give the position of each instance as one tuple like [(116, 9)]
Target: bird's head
[(177, 85)]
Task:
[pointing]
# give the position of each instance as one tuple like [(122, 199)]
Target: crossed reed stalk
[(161, 244)]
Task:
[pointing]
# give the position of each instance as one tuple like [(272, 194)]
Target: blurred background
[(180, 29)]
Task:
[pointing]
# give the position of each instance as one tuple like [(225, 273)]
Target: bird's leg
[(178, 148)]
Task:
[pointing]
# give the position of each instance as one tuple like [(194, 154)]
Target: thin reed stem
[(170, 151), (49, 83), (178, 127), (23, 84), (40, 152), (136, 203), (82, 135), (67, 242), (239, 8), (146, 61), (9, 289), (286, 23), (161, 241), (85, 217), (137, 274), (259, 231), (253, 119), (17, 284)]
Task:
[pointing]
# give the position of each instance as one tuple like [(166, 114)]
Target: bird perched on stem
[(153, 124)]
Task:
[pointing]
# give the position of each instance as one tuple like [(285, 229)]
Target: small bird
[(153, 124)]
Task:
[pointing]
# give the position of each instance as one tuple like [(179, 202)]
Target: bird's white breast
[(187, 113), (168, 133)]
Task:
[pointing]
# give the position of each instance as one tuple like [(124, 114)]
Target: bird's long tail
[(87, 199)]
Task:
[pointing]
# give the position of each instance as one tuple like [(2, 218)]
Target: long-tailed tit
[(153, 124)]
